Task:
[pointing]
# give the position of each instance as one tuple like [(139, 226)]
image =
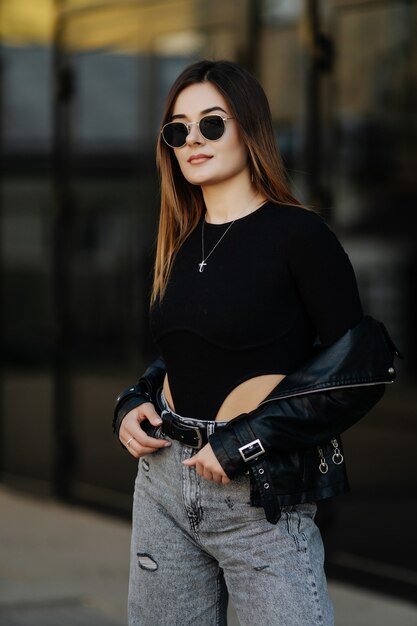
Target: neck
[(230, 200)]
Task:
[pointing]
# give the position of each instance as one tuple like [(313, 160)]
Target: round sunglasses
[(212, 127)]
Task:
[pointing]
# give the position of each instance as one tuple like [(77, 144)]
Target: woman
[(249, 289)]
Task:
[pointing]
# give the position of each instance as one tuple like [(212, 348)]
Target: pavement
[(61, 565)]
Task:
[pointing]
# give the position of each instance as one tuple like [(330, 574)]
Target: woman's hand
[(134, 438), (207, 465)]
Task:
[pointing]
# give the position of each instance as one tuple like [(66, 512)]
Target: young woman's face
[(205, 162)]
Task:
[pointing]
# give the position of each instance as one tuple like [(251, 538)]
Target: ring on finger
[(129, 441)]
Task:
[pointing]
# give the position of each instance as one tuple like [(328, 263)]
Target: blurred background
[(82, 86)]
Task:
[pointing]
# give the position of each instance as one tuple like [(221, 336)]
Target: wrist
[(128, 400)]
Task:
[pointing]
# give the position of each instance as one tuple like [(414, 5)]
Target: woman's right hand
[(134, 438)]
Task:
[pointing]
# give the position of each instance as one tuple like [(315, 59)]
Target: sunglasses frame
[(188, 128)]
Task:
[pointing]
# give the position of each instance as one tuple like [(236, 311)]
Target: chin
[(195, 179), (199, 178)]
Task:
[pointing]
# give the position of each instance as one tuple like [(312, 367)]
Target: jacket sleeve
[(143, 391), (327, 395), (295, 423)]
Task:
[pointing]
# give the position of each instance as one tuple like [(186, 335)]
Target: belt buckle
[(251, 450)]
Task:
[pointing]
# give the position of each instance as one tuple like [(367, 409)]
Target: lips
[(198, 158)]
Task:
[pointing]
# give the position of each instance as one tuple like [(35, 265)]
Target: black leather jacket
[(290, 443)]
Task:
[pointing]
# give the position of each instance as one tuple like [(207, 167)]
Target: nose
[(194, 136)]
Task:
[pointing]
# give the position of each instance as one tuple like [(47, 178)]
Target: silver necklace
[(203, 258), (203, 263)]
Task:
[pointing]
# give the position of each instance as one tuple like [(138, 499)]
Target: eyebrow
[(181, 115)]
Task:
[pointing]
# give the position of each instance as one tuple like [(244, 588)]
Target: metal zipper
[(305, 393)]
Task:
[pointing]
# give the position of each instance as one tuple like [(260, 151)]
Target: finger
[(225, 479), (199, 468), (190, 462), (136, 434), (152, 442), (136, 450), (129, 441), (148, 411), (134, 429), (132, 445), (149, 442), (207, 474)]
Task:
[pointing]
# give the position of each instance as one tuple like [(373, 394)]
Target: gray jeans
[(195, 541)]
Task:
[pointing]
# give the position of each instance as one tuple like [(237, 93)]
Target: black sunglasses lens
[(175, 134), (212, 127)]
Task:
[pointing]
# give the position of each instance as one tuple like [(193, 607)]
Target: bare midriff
[(242, 399)]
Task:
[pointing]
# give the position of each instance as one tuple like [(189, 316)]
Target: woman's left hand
[(207, 465)]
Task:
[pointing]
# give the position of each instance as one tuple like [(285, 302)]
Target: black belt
[(194, 436)]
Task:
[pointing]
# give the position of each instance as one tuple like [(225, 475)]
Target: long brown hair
[(182, 203)]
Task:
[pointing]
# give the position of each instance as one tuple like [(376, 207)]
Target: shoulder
[(297, 222), (307, 238), (293, 215)]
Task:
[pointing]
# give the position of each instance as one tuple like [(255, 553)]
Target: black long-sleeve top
[(278, 281)]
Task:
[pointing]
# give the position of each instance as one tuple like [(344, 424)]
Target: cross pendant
[(201, 265)]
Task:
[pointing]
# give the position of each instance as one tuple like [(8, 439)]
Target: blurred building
[(82, 86)]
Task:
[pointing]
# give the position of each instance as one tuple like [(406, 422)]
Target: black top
[(278, 280)]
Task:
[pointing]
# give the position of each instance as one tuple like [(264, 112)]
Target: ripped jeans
[(195, 542)]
